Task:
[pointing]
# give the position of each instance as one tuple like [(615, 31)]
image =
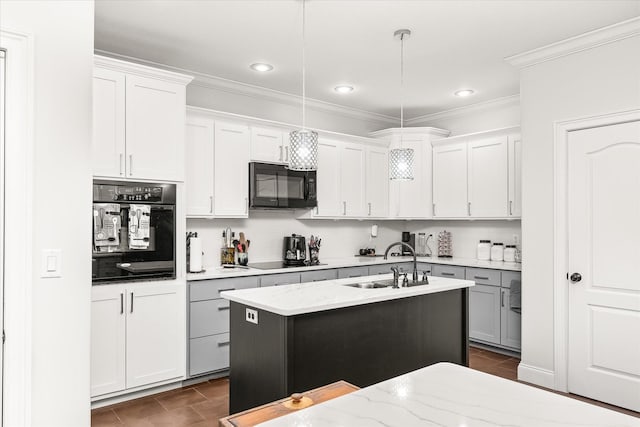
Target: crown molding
[(420, 131), (507, 101), (579, 43), (257, 92), (140, 70)]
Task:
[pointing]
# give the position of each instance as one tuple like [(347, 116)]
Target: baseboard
[(124, 396), (537, 376)]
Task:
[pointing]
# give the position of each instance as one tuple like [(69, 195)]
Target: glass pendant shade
[(304, 150), (401, 164)]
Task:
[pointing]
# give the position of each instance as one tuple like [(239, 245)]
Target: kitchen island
[(291, 338)]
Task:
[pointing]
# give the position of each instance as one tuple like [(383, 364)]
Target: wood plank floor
[(204, 403)]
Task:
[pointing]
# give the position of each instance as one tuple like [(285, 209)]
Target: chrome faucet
[(415, 260)]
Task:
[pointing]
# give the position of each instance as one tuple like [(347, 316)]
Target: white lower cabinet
[(137, 336)]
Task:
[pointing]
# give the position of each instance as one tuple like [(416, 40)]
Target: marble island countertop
[(445, 394), (217, 272), (290, 300)]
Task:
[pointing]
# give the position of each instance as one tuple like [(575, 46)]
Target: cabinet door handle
[(369, 208), (280, 152), (130, 164), (502, 298), (132, 302), (223, 343), (434, 209), (286, 150), (228, 289), (121, 161), (210, 204), (480, 277), (469, 208), (224, 307), (121, 302), (317, 209), (510, 207), (446, 273), (344, 208), (246, 205)]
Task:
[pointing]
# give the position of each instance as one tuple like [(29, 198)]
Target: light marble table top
[(445, 394), (302, 298)]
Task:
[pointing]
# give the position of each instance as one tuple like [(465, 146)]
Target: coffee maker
[(409, 239), (295, 250)]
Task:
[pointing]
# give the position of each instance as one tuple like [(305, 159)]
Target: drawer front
[(208, 354), (279, 279), (344, 273), (483, 276), (425, 266), (380, 269), (318, 275), (509, 277), (208, 317), (448, 271), (210, 289)]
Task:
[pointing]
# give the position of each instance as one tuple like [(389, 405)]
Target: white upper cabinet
[(487, 177), (199, 174), (352, 180), (231, 166), (155, 116), (269, 145), (478, 175), (138, 115), (377, 182), (108, 142), (515, 175), (411, 199), (450, 181), (328, 176)]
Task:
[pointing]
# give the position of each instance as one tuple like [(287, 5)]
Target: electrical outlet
[(251, 316), (515, 239)]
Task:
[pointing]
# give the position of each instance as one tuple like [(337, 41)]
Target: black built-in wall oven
[(275, 186), (134, 231)]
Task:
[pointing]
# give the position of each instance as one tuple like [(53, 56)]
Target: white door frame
[(560, 233), (18, 272)]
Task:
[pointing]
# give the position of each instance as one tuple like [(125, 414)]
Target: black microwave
[(275, 186)]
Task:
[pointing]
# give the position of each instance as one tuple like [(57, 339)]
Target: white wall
[(63, 61), (500, 113), (592, 82), (343, 238), (288, 110)]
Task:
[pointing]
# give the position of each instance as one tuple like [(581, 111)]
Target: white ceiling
[(454, 45)]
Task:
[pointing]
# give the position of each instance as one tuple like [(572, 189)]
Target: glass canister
[(510, 253), (421, 244), (497, 252), (483, 252)]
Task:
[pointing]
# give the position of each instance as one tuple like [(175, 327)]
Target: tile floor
[(204, 403)]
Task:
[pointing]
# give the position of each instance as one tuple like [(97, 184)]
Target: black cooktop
[(276, 264)]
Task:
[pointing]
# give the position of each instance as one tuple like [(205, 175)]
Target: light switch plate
[(51, 263)]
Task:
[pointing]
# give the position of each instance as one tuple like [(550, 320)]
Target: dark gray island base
[(362, 344)]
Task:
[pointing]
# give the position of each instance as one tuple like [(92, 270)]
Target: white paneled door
[(604, 263)]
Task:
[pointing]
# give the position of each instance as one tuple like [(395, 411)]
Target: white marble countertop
[(217, 272), (290, 300), (445, 394)]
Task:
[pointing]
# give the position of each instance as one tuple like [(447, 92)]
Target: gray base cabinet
[(484, 313)]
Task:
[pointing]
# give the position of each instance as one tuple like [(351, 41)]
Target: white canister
[(497, 252), (510, 253), (483, 253)]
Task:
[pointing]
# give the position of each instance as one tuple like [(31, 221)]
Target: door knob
[(575, 277)]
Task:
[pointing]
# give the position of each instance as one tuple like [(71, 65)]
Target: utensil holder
[(314, 255)]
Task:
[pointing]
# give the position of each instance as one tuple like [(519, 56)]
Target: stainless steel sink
[(371, 285)]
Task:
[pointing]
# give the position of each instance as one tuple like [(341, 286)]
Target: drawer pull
[(224, 290), (480, 277), (225, 307), (223, 343), (446, 273)]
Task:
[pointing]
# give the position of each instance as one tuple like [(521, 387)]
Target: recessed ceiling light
[(259, 66), (464, 92), (343, 89)]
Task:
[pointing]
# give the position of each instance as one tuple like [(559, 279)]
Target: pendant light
[(401, 159), (303, 142)]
